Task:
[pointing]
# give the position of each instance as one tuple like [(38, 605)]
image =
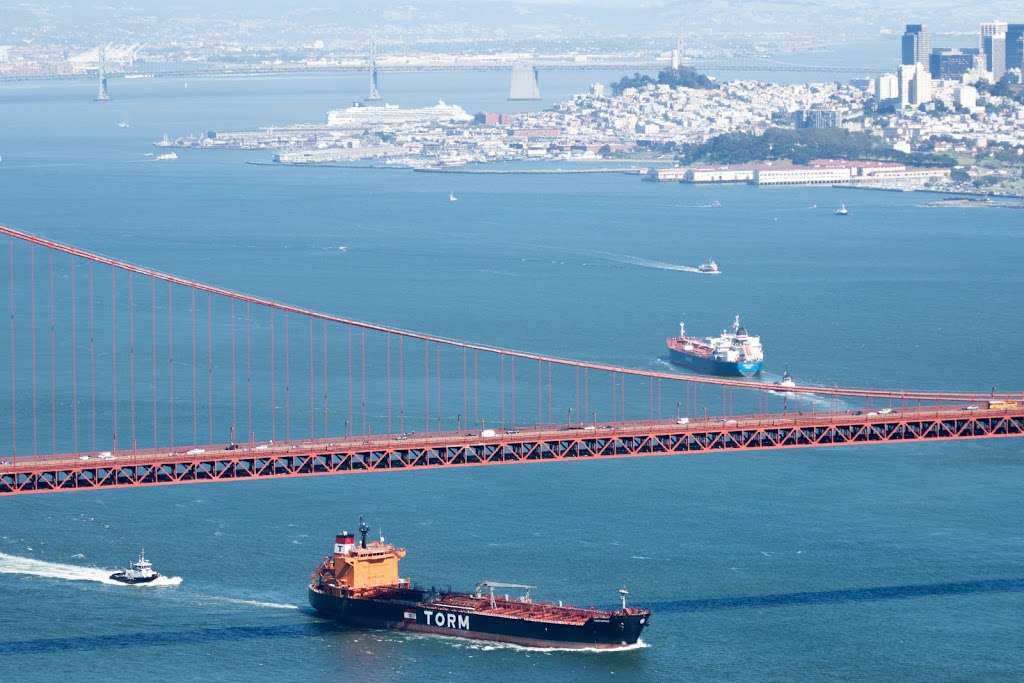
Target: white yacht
[(709, 267)]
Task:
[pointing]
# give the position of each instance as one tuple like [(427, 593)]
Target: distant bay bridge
[(745, 65)]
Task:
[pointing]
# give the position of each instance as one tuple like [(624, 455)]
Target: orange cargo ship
[(359, 585)]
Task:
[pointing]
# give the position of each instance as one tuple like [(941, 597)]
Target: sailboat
[(452, 197), (842, 210)]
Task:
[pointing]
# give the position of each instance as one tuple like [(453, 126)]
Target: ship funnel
[(344, 543)]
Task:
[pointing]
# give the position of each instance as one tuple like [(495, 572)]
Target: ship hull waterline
[(710, 366), (411, 616)]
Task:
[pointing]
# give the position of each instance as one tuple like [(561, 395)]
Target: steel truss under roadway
[(589, 442)]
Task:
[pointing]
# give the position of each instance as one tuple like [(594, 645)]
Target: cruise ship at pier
[(734, 352), (360, 115), (359, 585)]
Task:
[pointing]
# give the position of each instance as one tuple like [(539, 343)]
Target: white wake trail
[(648, 263), (257, 603), (27, 566)]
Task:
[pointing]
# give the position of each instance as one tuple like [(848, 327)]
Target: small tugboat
[(140, 571), (359, 585), (787, 380), (709, 267), (842, 210)]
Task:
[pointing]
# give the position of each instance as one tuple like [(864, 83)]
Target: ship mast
[(364, 529)]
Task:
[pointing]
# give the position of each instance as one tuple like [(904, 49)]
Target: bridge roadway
[(346, 455), (298, 70)]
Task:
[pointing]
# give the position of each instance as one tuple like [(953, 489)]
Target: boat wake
[(648, 263), (770, 382), (258, 603), (491, 646), (27, 566)]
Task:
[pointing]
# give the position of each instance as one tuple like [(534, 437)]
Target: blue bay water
[(857, 563)]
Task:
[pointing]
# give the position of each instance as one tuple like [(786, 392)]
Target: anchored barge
[(360, 586)]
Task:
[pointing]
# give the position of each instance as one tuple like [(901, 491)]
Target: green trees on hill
[(800, 146), (684, 77)]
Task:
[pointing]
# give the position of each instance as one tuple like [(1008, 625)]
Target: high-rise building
[(887, 87), (1014, 46), (916, 45), (905, 75), (948, 64), (921, 87), (915, 85), (967, 97), (993, 47)]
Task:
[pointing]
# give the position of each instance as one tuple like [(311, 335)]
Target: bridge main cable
[(913, 395)]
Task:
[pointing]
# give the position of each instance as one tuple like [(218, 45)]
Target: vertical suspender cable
[(287, 385), (195, 377), (92, 349), (323, 348), (53, 361), (273, 379), (387, 377), (209, 368), (250, 435), (32, 324), (551, 416), (540, 392), (233, 436), (437, 355), (14, 362), (401, 384), (113, 353), (362, 362), (426, 386), (312, 384), (74, 358), (577, 392), (622, 398), (349, 426), (152, 358), (513, 375), (586, 393), (131, 358), (615, 405), (170, 363)]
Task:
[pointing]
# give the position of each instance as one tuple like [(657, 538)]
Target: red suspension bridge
[(123, 376)]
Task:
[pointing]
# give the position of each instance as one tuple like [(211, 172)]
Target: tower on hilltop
[(677, 53)]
